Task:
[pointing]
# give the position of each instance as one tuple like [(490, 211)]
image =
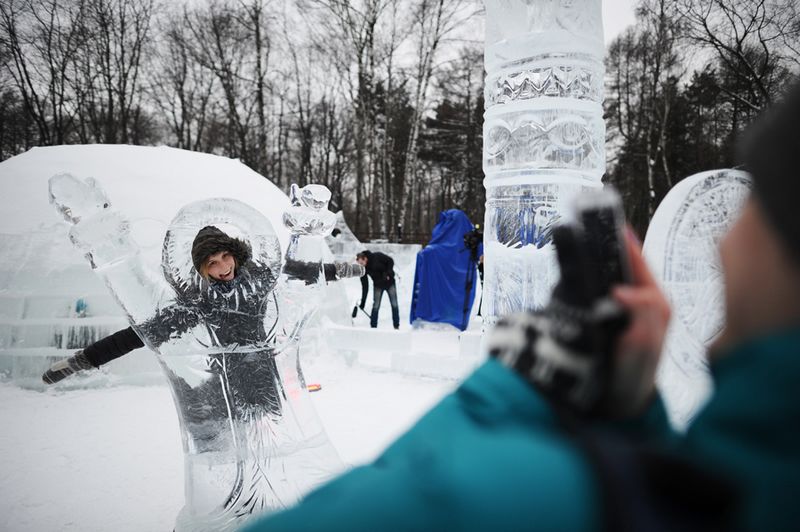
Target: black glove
[(355, 311), (64, 368), (566, 349)]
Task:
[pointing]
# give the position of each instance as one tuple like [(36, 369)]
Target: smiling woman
[(220, 266), (218, 256)]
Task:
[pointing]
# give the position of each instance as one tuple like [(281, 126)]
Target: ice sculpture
[(682, 249), (252, 441), (342, 242), (543, 138)]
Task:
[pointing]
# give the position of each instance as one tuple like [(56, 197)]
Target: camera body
[(472, 241), (590, 245)]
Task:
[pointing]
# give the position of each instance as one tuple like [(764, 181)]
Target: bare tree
[(433, 20), (181, 88), (41, 40), (220, 44), (755, 40), (108, 71), (356, 25), (643, 66)]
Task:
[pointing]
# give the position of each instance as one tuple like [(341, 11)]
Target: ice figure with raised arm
[(228, 342)]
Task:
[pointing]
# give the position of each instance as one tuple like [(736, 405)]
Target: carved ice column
[(543, 137)]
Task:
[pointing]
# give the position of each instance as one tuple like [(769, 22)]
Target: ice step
[(440, 354)]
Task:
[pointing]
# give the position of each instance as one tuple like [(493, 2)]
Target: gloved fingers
[(573, 286)]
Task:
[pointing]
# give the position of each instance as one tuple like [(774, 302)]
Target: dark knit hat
[(211, 240), (769, 151)]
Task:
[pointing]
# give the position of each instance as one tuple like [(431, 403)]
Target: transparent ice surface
[(520, 263), (516, 29), (345, 245), (544, 138), (682, 247), (252, 440), (75, 199), (552, 138)]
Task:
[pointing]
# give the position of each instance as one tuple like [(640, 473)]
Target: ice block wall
[(543, 138)]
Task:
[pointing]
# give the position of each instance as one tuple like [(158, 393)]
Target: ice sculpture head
[(309, 214), (75, 198), (196, 234)]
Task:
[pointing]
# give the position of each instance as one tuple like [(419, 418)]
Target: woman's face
[(221, 266)]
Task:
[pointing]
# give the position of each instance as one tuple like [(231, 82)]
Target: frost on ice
[(543, 138), (251, 438), (682, 248)]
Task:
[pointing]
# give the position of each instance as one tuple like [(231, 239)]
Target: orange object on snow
[(314, 387)]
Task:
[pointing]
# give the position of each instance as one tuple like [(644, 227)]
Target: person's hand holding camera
[(638, 349), (593, 349)]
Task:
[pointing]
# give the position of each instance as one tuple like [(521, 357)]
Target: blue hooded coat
[(446, 274)]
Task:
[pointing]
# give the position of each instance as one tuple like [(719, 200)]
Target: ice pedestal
[(543, 138), (252, 440)]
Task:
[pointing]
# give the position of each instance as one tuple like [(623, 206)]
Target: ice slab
[(682, 249)]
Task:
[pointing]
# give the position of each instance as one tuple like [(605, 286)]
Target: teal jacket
[(491, 456)]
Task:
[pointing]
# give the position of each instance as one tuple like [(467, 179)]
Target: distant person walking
[(380, 267)]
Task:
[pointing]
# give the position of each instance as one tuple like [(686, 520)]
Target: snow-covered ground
[(110, 458)]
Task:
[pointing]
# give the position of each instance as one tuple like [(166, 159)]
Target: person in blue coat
[(446, 273), (497, 455)]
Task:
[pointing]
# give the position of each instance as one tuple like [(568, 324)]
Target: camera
[(472, 241), (590, 246)]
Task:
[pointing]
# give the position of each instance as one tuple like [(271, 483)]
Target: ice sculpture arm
[(103, 235)]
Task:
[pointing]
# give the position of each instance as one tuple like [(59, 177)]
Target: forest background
[(379, 100)]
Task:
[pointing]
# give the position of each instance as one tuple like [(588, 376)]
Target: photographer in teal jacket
[(497, 454)]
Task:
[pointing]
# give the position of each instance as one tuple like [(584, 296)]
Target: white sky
[(617, 15)]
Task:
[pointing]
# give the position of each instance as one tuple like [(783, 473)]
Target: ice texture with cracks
[(682, 248), (543, 138), (252, 441)]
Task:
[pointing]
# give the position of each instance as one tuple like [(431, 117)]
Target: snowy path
[(111, 459)]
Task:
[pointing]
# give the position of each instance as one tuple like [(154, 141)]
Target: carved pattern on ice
[(579, 82), (547, 139), (682, 247)]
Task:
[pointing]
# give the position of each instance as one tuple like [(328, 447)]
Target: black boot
[(64, 368)]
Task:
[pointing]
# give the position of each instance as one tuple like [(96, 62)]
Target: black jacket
[(380, 267)]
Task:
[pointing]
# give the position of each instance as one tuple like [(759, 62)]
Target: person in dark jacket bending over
[(380, 267), (219, 259)]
